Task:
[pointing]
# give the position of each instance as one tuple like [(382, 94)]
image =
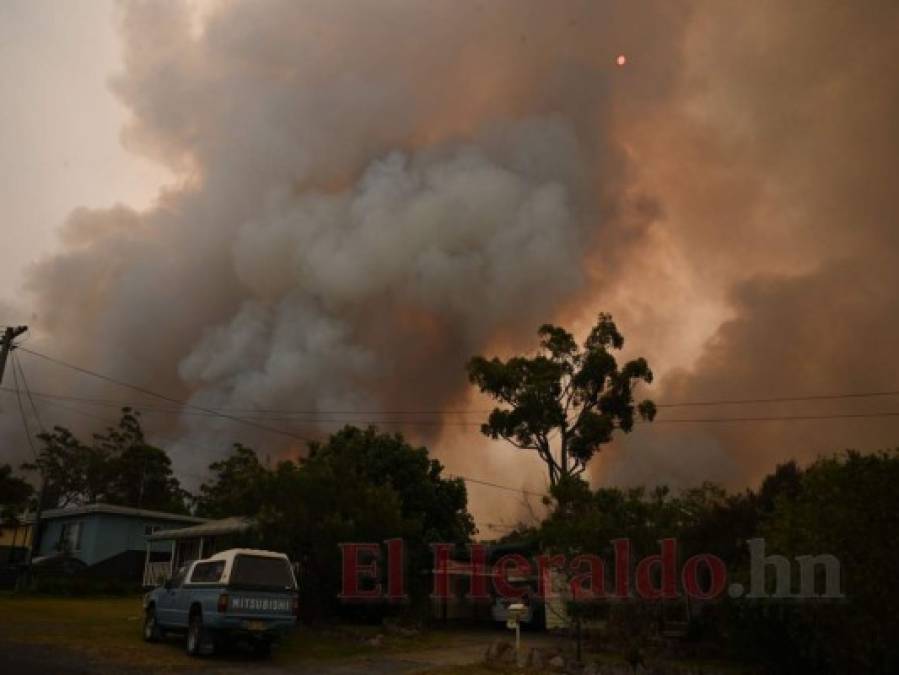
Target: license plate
[(254, 625)]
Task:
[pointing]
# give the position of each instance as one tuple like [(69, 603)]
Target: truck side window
[(207, 573)]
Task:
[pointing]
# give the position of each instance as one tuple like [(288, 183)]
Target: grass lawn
[(477, 669), (102, 628), (109, 629)]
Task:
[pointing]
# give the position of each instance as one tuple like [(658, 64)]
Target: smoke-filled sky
[(329, 206)]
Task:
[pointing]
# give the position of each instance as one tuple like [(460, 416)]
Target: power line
[(170, 399), (784, 418), (478, 481), (204, 478), (15, 375), (215, 412), (490, 484), (18, 371), (73, 409), (17, 365), (220, 412), (268, 412), (777, 399), (442, 423), (108, 402), (466, 479), (309, 422)]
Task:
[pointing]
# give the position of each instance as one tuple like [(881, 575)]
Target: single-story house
[(111, 541), (185, 544), (15, 540)]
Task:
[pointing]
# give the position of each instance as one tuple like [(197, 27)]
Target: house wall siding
[(105, 535), (15, 535)]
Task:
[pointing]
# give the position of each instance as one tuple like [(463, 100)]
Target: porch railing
[(156, 573)]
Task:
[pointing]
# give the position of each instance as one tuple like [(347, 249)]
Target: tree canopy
[(359, 485), (845, 505), (237, 486), (14, 493), (578, 393), (118, 467), (437, 504)]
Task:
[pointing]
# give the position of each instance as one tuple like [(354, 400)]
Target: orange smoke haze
[(367, 194)]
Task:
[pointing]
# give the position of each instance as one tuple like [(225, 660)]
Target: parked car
[(236, 594)]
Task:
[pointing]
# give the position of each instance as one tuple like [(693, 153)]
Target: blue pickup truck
[(236, 594)]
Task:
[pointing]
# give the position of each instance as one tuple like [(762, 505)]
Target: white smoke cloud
[(368, 193), (455, 234), (366, 196)]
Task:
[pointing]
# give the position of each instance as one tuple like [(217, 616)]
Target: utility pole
[(10, 334), (6, 347)]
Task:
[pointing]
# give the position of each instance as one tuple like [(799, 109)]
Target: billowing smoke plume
[(370, 192), (777, 168)]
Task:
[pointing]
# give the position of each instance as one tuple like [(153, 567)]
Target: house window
[(150, 529), (70, 537)]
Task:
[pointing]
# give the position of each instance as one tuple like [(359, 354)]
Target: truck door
[(167, 603)]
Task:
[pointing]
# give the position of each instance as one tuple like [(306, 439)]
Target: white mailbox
[(515, 612)]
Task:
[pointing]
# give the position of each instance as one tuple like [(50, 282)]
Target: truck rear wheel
[(195, 635)]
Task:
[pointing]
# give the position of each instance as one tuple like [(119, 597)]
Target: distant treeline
[(362, 485), (846, 505)]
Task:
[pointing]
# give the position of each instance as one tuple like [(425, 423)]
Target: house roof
[(210, 528), (118, 511), (258, 552)]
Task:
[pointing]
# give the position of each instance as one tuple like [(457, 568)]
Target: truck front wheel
[(152, 632)]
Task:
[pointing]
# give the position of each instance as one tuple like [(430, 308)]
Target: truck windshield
[(261, 573)]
